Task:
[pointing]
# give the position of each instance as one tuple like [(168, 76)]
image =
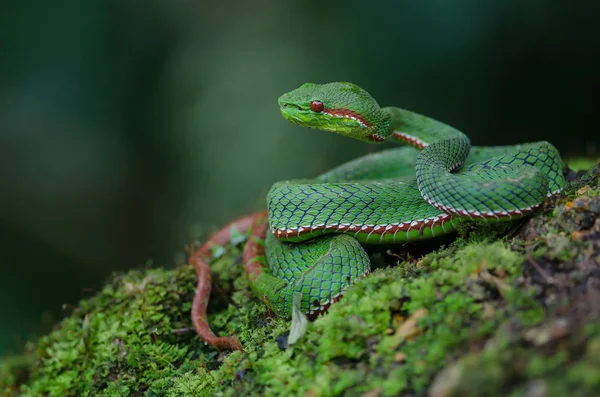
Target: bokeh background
[(129, 127)]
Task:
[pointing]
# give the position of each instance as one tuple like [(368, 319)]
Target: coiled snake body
[(394, 196)]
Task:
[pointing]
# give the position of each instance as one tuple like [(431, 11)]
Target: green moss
[(581, 163), (121, 341), (14, 371), (476, 316), (517, 368)]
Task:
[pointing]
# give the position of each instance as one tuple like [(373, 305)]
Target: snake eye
[(316, 106)]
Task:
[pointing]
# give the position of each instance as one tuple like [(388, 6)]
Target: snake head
[(343, 108)]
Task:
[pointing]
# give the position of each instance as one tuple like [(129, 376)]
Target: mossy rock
[(512, 312)]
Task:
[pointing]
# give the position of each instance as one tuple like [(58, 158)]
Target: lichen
[(511, 309)]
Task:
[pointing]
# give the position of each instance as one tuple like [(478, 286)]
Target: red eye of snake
[(316, 106)]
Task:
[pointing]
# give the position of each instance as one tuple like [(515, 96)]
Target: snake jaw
[(347, 114), (341, 121), (338, 120)]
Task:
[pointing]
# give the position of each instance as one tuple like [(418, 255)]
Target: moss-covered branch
[(518, 314)]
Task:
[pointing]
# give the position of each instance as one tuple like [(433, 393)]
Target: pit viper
[(315, 229)]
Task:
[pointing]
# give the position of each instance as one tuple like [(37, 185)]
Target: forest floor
[(511, 309)]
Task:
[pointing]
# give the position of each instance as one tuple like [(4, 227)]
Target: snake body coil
[(317, 227)]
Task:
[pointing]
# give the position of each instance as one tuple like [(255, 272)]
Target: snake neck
[(417, 130)]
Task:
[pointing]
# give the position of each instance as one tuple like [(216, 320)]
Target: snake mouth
[(296, 114), (286, 105), (314, 113)]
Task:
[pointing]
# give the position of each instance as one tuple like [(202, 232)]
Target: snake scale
[(315, 229)]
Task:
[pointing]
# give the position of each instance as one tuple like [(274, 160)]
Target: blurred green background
[(127, 127)]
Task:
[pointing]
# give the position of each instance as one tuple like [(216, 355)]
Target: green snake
[(318, 227)]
